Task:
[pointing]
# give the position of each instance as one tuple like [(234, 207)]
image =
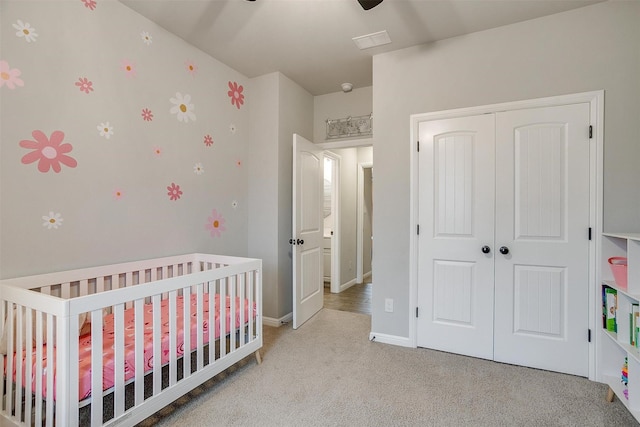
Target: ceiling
[(310, 41)]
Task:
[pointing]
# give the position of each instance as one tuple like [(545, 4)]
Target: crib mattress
[(108, 337)]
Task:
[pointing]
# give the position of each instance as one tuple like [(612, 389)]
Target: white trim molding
[(276, 323), (391, 339)]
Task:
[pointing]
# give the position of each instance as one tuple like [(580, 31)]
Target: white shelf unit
[(615, 346)]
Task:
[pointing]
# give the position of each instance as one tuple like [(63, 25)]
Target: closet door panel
[(542, 218), (455, 279)]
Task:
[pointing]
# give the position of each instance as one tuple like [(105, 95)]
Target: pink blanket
[(108, 337)]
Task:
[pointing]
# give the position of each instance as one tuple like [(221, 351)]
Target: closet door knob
[(486, 249), (504, 250), (300, 242)]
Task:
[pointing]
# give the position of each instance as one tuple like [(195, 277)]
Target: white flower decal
[(232, 128), (234, 204), (198, 169), (183, 108), (146, 38), (25, 30), (53, 220), (105, 129)]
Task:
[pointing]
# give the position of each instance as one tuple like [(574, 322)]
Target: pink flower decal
[(192, 68), (91, 4), (9, 76), (49, 152), (208, 140), (85, 85), (128, 67), (157, 151), (174, 192), (147, 115), (215, 224), (235, 93), (118, 194)]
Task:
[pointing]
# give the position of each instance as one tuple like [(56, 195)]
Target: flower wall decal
[(174, 191), (234, 204), (235, 93), (118, 194), (53, 220), (25, 30), (147, 115), (84, 85), (198, 169), (146, 38), (232, 128), (128, 67), (215, 224), (49, 152), (192, 68), (90, 4), (105, 130), (9, 76), (183, 108), (208, 140), (157, 151)]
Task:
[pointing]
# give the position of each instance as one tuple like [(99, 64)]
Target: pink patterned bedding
[(129, 341)]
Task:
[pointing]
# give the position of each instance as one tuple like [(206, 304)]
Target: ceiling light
[(372, 40), (347, 87)]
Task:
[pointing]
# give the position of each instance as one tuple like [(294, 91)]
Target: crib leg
[(610, 395), (258, 357)]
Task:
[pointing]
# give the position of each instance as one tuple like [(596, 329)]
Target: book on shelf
[(633, 322), (611, 300)]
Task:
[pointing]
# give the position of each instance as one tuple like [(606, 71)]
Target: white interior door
[(308, 224), (456, 212), (542, 217)]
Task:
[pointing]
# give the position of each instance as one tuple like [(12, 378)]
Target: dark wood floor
[(356, 299)]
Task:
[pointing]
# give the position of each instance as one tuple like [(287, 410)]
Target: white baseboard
[(347, 285), (276, 323), (366, 276), (391, 339)]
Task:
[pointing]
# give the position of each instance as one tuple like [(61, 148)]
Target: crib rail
[(49, 309)]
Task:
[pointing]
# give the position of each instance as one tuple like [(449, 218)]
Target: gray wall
[(591, 48), (282, 108), (98, 227)]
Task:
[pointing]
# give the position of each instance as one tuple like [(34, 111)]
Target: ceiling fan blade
[(369, 4)]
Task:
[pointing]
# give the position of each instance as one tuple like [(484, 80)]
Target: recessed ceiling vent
[(372, 40)]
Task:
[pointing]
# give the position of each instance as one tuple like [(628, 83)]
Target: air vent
[(372, 40)]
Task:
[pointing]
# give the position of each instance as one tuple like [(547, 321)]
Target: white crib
[(179, 310)]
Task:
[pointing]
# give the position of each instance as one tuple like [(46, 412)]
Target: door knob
[(300, 242), (486, 249), (504, 250)]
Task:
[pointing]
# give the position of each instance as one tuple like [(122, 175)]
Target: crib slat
[(241, 288), (186, 332), (128, 281), (50, 385), (96, 367), (19, 361), (139, 350), (173, 316), (28, 365), (232, 315), (250, 293), (157, 346), (212, 322), (38, 373), (223, 317), (84, 287), (9, 404), (3, 325), (118, 326), (199, 330)]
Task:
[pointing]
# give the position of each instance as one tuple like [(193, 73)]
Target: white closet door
[(542, 217), (455, 278)]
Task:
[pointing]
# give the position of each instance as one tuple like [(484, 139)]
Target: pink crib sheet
[(108, 337)]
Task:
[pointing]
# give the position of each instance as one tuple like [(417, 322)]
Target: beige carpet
[(327, 373)]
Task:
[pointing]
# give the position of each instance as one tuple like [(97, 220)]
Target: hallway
[(356, 299)]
